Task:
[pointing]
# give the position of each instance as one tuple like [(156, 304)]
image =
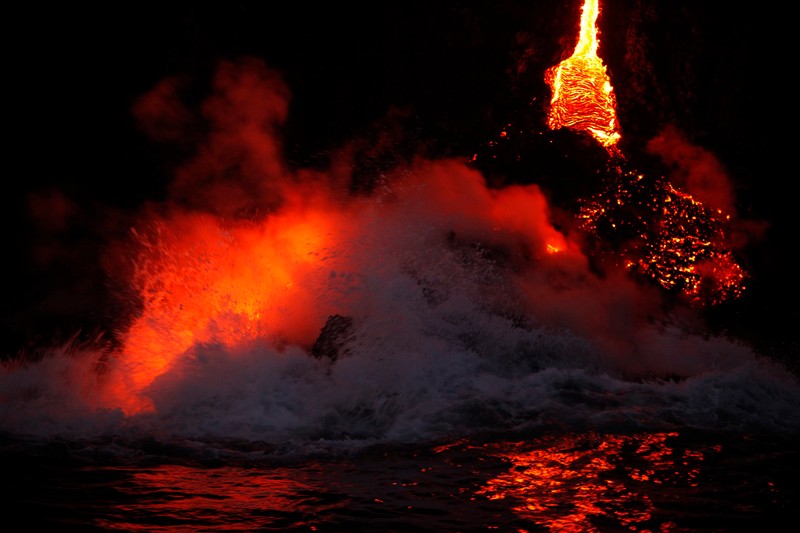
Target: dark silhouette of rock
[(334, 338)]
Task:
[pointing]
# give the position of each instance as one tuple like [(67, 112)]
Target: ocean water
[(667, 481)]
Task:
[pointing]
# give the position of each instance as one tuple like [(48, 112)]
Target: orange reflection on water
[(175, 498), (586, 483)]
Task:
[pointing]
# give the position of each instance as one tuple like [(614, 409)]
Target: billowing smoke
[(695, 170), (702, 175)]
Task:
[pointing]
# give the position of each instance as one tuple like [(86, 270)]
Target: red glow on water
[(231, 498), (575, 485)]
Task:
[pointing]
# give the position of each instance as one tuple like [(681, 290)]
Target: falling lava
[(660, 231)]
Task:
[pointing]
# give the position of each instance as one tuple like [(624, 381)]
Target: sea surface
[(689, 480), (465, 441)]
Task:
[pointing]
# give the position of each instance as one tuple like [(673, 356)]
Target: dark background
[(459, 71)]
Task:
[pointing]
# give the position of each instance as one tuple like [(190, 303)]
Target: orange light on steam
[(202, 281), (553, 249), (583, 98)]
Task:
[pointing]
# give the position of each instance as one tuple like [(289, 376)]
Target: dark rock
[(334, 337)]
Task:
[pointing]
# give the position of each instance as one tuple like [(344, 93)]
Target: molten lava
[(659, 230), (666, 235), (583, 98)]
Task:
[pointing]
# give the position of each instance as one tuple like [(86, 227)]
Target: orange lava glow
[(668, 236), (203, 281), (662, 232), (583, 98)]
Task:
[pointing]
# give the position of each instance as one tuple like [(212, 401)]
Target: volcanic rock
[(334, 338)]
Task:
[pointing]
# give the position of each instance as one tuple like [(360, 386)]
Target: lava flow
[(667, 235), (583, 98), (658, 230)]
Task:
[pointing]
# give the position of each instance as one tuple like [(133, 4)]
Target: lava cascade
[(583, 98), (658, 230)]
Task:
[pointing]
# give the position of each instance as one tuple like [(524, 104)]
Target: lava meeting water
[(428, 354), (447, 405), (467, 310)]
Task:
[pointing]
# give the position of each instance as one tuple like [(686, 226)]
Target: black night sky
[(448, 76)]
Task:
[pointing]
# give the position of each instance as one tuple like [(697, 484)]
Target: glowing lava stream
[(676, 240), (583, 98)]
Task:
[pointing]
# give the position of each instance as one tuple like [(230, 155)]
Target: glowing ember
[(668, 236), (583, 98)]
